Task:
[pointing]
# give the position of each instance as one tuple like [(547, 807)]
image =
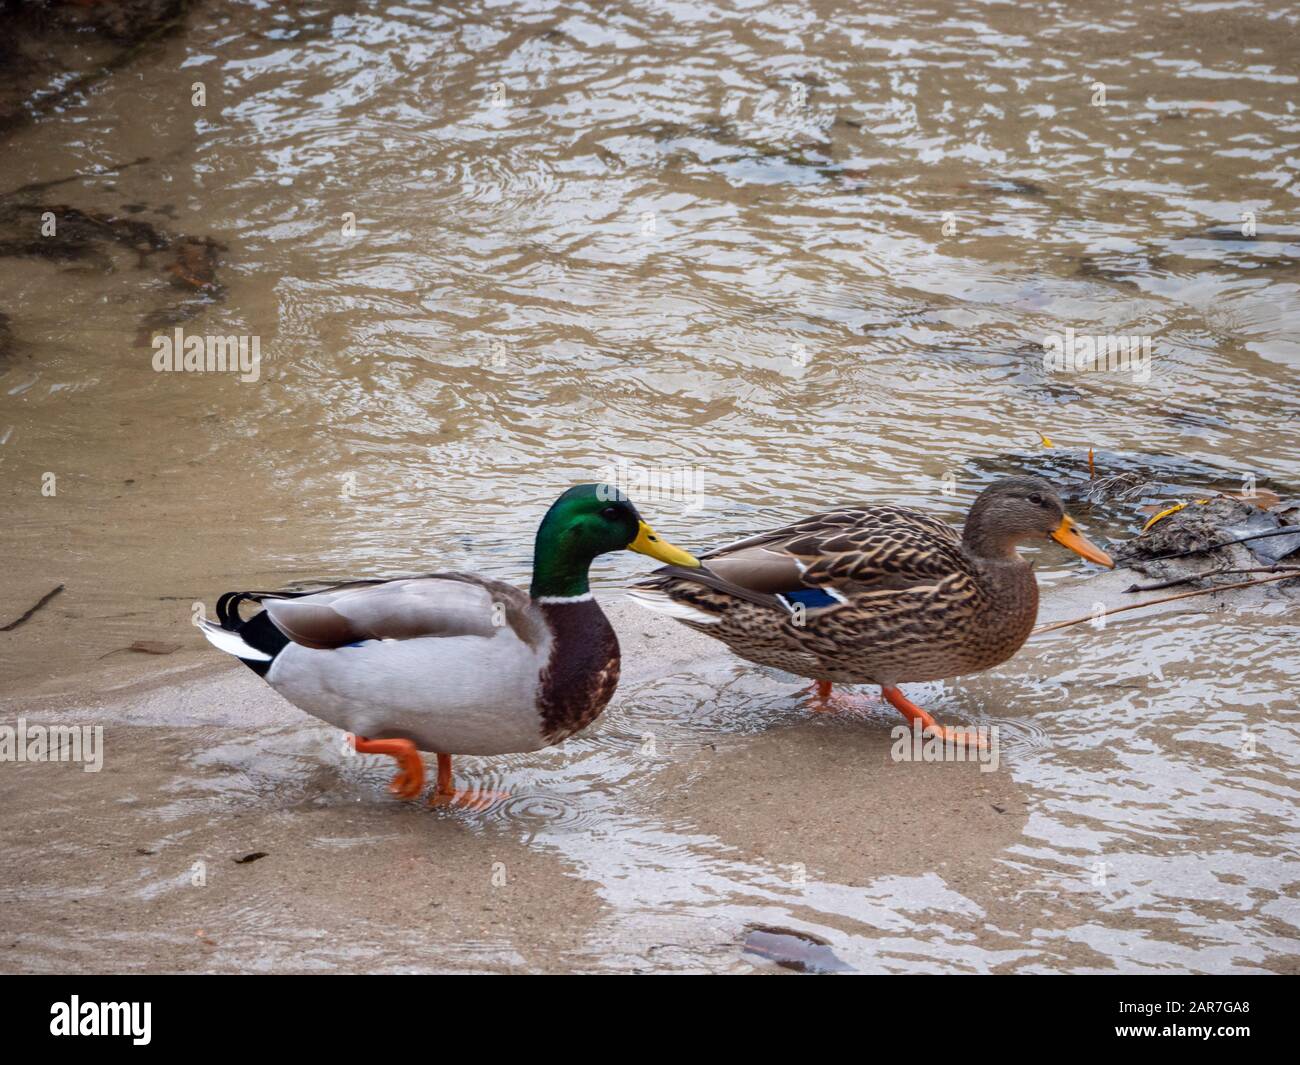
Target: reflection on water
[(808, 252)]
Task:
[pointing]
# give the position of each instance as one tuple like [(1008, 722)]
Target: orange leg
[(914, 713), (410, 766), (445, 794)]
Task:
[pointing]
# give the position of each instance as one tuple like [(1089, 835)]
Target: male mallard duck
[(877, 594), (454, 663)]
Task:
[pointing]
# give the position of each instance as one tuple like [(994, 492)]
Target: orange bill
[(1068, 536)]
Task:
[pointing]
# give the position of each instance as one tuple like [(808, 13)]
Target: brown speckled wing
[(852, 549)]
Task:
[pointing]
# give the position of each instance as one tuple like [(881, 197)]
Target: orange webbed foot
[(959, 737), (914, 714), (468, 798), (409, 781)]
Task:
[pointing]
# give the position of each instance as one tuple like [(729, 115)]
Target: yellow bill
[(647, 542), (1067, 535)]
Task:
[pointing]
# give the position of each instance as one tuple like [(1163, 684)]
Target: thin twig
[(1208, 573), (1164, 599), (39, 603), (1289, 530)]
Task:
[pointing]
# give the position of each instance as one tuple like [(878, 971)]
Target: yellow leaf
[(1163, 514)]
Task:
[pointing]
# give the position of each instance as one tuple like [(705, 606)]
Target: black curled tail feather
[(258, 631), (228, 608)]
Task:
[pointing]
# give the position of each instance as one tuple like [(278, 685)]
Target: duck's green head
[(590, 520)]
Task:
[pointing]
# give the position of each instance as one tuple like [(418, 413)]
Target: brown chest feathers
[(582, 672)]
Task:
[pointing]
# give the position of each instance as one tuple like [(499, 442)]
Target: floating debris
[(195, 265), (1236, 531)]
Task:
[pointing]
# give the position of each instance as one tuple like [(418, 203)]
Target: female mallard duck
[(453, 663), (877, 594)]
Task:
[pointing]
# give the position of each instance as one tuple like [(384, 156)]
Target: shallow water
[(704, 238)]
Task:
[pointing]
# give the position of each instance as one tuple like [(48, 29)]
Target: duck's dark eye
[(1036, 499), (610, 513)]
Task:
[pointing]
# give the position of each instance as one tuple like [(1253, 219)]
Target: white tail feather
[(664, 604), (231, 642)]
